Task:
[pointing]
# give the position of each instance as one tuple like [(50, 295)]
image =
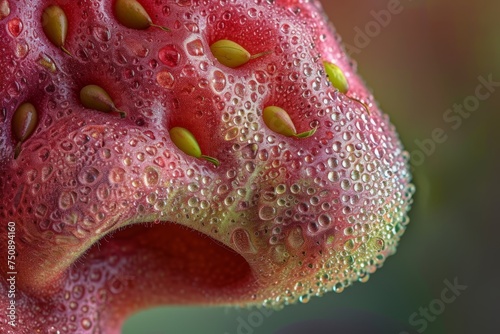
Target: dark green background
[(427, 59)]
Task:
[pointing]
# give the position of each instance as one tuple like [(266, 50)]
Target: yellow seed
[(336, 77), (231, 54), (55, 26), (278, 120), (94, 97), (24, 122), (132, 15), (187, 143)]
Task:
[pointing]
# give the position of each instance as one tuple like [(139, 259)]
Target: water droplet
[(52, 329), (304, 299), (232, 133), (165, 79), (295, 237), (41, 211), (4, 9), (151, 150), (159, 162), (345, 184), (169, 56), (295, 188), (95, 275), (324, 220), (88, 175), (249, 152), (151, 177), (279, 254), (86, 323), (313, 227), (242, 242), (47, 62), (252, 12), (116, 286), (15, 26), (280, 189), (47, 172), (105, 153), (377, 244), (78, 292), (218, 81), (338, 288), (349, 245), (267, 213), (136, 48), (195, 48), (73, 305), (183, 3), (117, 175), (67, 199), (22, 49), (193, 187), (102, 33)]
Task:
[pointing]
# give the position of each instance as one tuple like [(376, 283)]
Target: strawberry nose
[(232, 158)]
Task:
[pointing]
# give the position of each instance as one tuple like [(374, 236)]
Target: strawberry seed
[(231, 54), (23, 124), (278, 120), (94, 97), (186, 142), (55, 26), (132, 15), (336, 77)]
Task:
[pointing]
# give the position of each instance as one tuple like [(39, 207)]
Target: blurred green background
[(422, 63)]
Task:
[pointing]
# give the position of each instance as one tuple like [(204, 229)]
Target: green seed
[(187, 143), (24, 122), (55, 26), (232, 54), (280, 122), (336, 77), (132, 15), (94, 97)]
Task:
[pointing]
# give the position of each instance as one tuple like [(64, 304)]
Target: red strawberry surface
[(111, 215)]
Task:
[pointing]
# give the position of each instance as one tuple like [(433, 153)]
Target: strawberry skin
[(114, 214)]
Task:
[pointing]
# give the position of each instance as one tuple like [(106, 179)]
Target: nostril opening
[(179, 253)]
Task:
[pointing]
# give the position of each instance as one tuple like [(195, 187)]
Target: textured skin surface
[(280, 220)]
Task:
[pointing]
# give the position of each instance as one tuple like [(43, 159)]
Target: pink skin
[(279, 220)]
